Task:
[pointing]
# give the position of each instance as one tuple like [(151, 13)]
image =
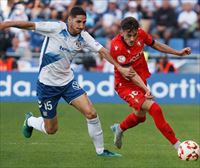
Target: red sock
[(131, 121), (160, 122)]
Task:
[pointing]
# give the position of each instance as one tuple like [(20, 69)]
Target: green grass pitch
[(71, 147)]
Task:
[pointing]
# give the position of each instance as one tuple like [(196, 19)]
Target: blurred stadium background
[(174, 22)]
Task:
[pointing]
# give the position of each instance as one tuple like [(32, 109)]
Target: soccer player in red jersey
[(127, 49)]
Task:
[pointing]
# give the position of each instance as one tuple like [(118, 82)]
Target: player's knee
[(155, 109), (90, 113), (51, 130), (141, 119)]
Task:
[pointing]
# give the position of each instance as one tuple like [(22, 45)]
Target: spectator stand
[(101, 28)]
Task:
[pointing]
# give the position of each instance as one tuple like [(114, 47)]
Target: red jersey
[(131, 56)]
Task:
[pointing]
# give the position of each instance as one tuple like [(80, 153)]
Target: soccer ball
[(188, 150)]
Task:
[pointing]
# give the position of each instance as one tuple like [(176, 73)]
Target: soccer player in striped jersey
[(56, 79)]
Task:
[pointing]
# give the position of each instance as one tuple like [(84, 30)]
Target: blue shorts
[(48, 96)]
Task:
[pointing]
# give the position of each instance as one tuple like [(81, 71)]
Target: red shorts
[(132, 94)]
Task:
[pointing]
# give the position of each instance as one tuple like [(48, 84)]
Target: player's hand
[(148, 95), (127, 72), (185, 51), (1, 26)]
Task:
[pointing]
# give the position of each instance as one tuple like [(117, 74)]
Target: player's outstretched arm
[(17, 24), (166, 49)]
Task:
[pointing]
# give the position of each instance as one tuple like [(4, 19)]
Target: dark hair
[(77, 10), (129, 23)]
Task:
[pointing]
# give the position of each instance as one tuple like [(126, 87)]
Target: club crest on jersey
[(121, 58), (116, 47), (139, 43), (75, 85), (78, 45), (136, 100)]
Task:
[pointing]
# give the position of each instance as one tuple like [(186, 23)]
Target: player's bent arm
[(17, 24), (125, 71), (166, 49), (139, 82)]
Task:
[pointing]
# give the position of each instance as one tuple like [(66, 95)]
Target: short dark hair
[(129, 23), (77, 10)]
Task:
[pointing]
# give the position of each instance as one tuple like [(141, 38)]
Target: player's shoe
[(107, 153), (177, 144), (27, 131), (117, 135)]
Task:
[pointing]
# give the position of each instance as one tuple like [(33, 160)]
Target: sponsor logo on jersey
[(121, 58), (63, 48), (135, 57)]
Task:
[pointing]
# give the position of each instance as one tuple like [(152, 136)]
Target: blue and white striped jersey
[(58, 50)]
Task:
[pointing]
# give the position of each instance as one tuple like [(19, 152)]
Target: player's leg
[(134, 96), (130, 121), (77, 97), (51, 125), (47, 123), (84, 105), (156, 112), (48, 97)]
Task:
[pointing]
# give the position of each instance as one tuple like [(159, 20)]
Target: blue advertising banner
[(167, 88)]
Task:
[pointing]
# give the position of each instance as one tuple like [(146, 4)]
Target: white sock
[(96, 133), (119, 129), (176, 145), (37, 123)]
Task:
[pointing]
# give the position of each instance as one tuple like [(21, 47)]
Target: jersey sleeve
[(114, 50), (91, 42), (148, 40), (48, 28)]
